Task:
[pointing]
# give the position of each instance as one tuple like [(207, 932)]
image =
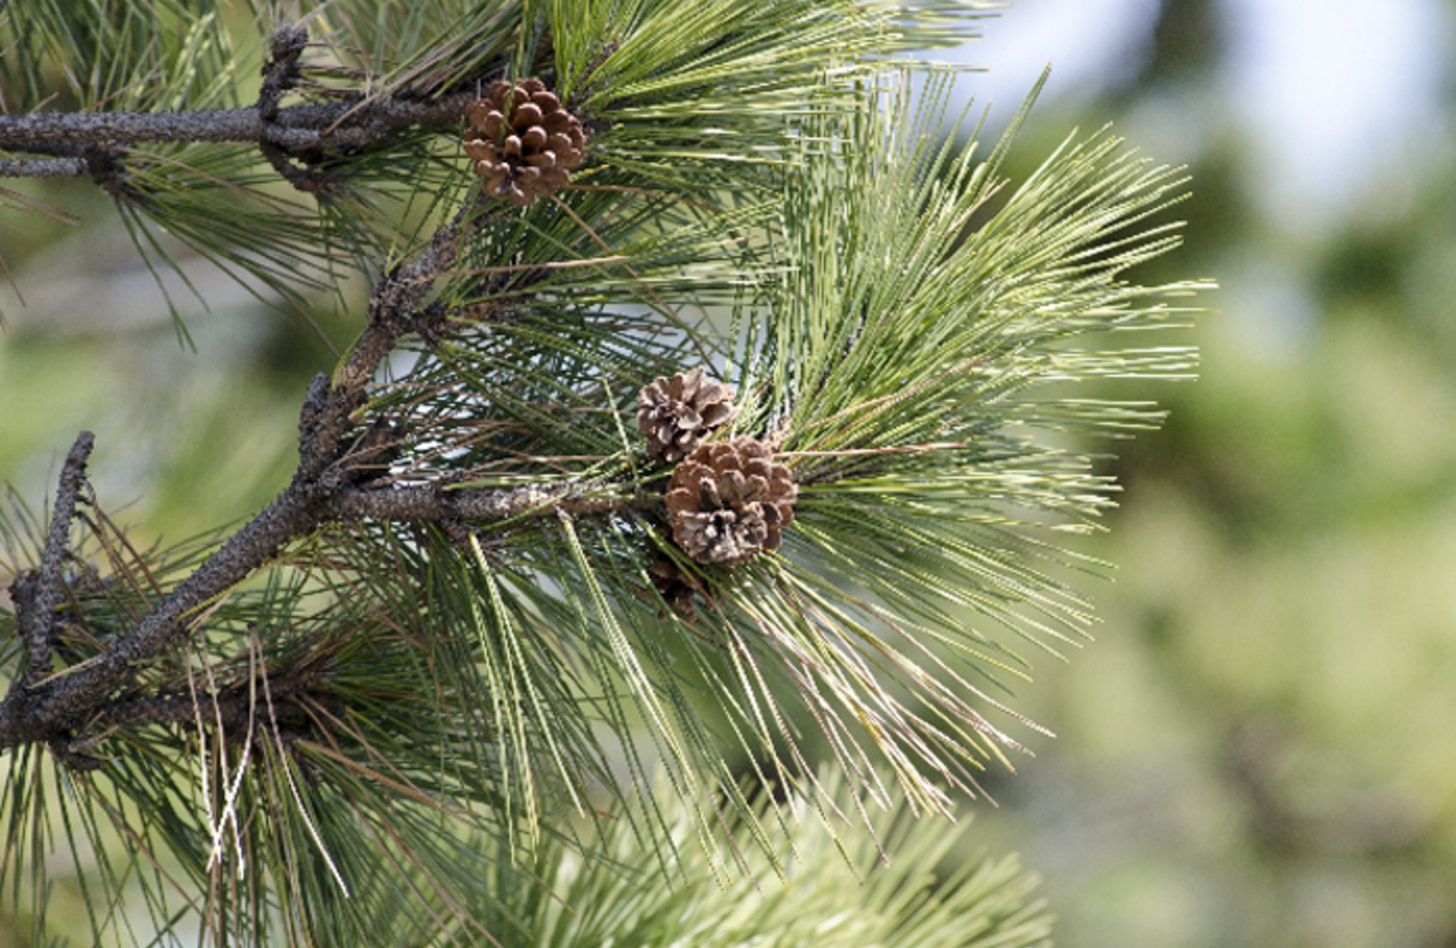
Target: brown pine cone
[(523, 141), (729, 502), (676, 414), (676, 587)]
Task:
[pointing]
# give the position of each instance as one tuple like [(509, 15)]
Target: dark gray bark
[(353, 121)]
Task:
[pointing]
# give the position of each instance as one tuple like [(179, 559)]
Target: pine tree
[(710, 407)]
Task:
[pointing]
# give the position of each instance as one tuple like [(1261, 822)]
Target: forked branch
[(59, 709), (73, 140)]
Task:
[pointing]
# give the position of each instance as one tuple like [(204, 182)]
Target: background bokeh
[(1260, 747)]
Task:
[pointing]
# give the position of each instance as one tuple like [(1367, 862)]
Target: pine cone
[(729, 502), (675, 586), (523, 141), (677, 414)]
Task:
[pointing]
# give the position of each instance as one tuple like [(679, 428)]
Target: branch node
[(76, 754), (103, 163), (281, 73)]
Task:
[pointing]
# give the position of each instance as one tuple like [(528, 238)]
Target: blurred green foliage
[(1261, 747)]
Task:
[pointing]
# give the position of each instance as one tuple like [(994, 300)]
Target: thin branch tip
[(281, 73), (47, 596)]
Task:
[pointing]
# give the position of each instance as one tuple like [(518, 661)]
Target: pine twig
[(230, 707), (281, 73), (351, 121), (437, 504), (38, 592), (44, 168)]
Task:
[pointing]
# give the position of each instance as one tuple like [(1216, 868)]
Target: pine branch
[(440, 505), (324, 489), (353, 121), (38, 592), (43, 168), (57, 709), (474, 573), (294, 695)]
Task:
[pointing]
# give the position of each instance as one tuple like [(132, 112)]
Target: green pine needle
[(495, 731)]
